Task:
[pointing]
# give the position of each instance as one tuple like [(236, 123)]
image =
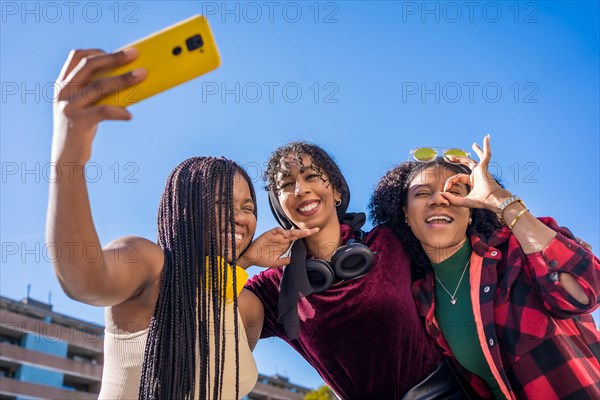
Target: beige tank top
[(124, 357)]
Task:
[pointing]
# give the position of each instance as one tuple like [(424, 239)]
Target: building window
[(7, 372), (10, 340)]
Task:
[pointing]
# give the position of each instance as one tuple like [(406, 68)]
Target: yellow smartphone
[(171, 56)]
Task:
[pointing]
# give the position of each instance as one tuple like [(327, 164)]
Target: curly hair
[(322, 163), (390, 197)]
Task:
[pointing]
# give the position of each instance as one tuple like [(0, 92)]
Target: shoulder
[(136, 251), (136, 246), (135, 266), (265, 286), (382, 235), (268, 278), (386, 247)]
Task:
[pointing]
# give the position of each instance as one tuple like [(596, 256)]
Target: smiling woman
[(360, 330), (173, 329), (306, 194), (431, 226), (245, 212), (510, 305)]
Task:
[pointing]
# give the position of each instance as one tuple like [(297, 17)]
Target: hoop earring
[(338, 202)]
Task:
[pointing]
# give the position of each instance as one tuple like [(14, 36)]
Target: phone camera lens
[(194, 42), (177, 51)]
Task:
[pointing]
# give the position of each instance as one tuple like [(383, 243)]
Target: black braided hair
[(191, 301), (390, 196)]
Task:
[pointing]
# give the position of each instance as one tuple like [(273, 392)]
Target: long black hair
[(390, 197), (191, 301)]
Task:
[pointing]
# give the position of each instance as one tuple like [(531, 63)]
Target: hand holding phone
[(170, 57)]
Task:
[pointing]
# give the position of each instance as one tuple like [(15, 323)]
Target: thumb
[(281, 262)]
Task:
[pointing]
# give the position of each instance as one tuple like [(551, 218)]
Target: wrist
[(250, 256), (514, 220), (507, 203), (70, 150), (65, 170), (496, 198), (72, 158), (243, 262)]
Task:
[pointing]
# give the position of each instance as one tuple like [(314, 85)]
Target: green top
[(456, 320)]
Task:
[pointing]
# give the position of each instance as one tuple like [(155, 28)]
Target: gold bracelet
[(514, 221)]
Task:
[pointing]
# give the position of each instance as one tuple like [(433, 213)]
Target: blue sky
[(366, 80)]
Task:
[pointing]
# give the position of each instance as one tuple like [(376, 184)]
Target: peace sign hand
[(267, 249), (485, 191)]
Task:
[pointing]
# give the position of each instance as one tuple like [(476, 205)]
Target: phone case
[(172, 56)]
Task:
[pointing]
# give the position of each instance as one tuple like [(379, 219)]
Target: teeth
[(238, 236), (439, 217), (309, 207)]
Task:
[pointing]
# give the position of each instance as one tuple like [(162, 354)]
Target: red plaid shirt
[(539, 341)]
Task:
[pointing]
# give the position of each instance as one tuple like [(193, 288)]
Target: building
[(44, 354), (276, 388)]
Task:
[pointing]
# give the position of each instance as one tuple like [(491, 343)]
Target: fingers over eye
[(454, 199), (458, 178)]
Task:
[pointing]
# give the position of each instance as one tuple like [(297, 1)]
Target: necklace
[(453, 295)]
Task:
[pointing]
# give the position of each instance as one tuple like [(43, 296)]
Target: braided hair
[(390, 197), (195, 214)]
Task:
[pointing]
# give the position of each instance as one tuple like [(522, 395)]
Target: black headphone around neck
[(349, 261)]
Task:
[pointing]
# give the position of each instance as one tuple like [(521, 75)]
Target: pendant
[(453, 301)]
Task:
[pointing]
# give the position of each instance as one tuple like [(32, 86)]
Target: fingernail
[(138, 72), (132, 51)]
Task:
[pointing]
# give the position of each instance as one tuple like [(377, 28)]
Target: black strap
[(294, 283)]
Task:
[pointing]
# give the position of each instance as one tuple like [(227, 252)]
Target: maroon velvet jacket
[(540, 342), (363, 336)]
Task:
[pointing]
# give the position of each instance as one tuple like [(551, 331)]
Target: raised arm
[(553, 257), (86, 272)]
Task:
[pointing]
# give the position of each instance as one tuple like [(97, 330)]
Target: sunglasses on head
[(426, 154)]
